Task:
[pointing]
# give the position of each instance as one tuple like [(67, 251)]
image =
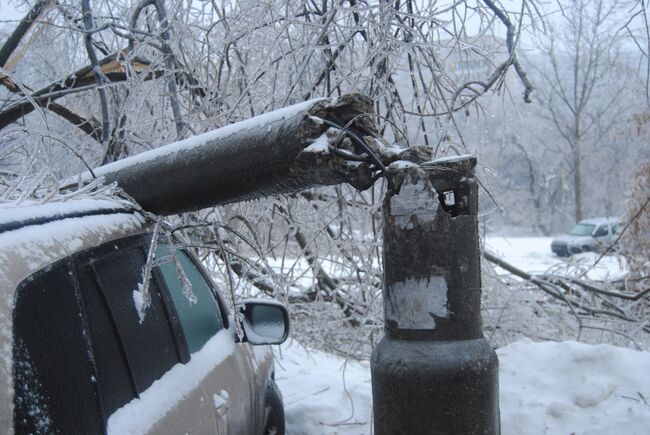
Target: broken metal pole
[(433, 372), (283, 151)]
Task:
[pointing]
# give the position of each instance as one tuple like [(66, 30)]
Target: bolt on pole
[(433, 372)]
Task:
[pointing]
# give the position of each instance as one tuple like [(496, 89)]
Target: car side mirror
[(263, 321)]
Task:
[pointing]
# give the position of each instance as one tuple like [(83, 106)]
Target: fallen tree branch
[(595, 289), (113, 67), (558, 289), (90, 126)]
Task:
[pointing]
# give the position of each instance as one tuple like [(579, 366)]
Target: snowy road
[(545, 388)]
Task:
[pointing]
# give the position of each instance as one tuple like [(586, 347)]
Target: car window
[(149, 344), (196, 307), (582, 230), (602, 230), (53, 367), (90, 347)]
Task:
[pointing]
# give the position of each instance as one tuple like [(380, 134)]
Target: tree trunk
[(577, 182), (577, 157)]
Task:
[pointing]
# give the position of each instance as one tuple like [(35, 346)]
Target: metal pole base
[(435, 387)]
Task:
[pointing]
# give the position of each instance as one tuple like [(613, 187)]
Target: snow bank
[(569, 387), (546, 388)]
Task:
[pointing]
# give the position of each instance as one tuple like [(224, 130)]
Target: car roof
[(34, 236), (600, 220), (18, 215)]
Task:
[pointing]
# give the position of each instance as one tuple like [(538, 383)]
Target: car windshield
[(582, 230)]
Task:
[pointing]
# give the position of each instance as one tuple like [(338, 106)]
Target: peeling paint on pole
[(415, 304), (415, 301), (415, 203), (431, 257)]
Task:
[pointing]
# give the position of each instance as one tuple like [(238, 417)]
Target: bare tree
[(635, 234), (580, 85)]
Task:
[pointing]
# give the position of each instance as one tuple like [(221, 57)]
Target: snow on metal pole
[(433, 372), (283, 151)]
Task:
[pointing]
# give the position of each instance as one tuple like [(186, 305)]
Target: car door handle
[(221, 401)]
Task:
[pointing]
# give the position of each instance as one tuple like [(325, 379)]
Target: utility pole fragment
[(279, 152), (433, 372)]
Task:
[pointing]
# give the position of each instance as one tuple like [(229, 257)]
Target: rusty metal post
[(433, 372)]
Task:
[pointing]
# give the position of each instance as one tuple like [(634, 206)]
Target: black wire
[(366, 148)]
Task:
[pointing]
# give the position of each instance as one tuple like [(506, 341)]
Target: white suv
[(587, 235)]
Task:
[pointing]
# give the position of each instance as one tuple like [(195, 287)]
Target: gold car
[(85, 349)]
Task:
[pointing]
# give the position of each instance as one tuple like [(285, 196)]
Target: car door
[(602, 235), (227, 384), (136, 357), (141, 373)]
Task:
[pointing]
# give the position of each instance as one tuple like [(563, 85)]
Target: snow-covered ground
[(533, 254), (545, 388)]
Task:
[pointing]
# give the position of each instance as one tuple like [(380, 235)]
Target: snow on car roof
[(600, 220), (16, 215), (33, 235)]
